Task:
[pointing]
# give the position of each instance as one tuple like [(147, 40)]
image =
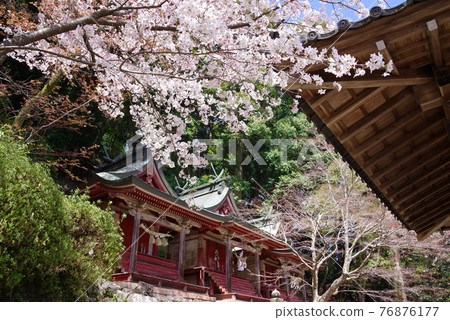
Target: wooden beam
[(446, 107), (161, 222), (372, 117), (418, 178), (362, 98), (407, 77), (411, 204), (321, 98), (422, 162), (430, 204), (442, 76), (428, 97), (447, 128), (242, 245), (428, 201), (414, 193), (386, 132), (426, 218), (381, 46), (437, 226), (393, 166), (435, 44), (134, 241), (398, 190), (413, 190), (388, 151)]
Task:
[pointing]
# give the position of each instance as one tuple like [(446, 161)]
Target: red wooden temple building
[(175, 245)]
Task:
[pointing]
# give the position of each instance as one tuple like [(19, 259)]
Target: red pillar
[(134, 243), (228, 262), (258, 271), (201, 249), (181, 247)]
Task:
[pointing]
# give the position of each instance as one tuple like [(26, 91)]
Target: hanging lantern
[(165, 243), (158, 241)]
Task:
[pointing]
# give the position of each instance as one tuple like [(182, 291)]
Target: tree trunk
[(362, 293), (24, 113), (238, 170), (399, 282), (324, 280), (315, 285), (332, 289)]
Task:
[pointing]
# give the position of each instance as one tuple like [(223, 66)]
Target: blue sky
[(350, 14)]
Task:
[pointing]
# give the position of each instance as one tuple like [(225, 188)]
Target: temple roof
[(393, 131), (138, 189), (143, 166), (210, 204), (211, 196), (344, 25)]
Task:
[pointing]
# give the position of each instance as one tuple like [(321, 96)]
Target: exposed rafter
[(433, 34), (407, 77), (394, 131)]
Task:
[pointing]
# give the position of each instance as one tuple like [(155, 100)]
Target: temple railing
[(151, 265)]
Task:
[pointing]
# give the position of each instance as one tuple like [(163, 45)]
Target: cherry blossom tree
[(407, 269), (352, 248), (173, 58), (337, 224)]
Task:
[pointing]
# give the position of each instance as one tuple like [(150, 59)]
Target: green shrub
[(52, 246)]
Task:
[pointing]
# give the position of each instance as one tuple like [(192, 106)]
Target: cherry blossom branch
[(247, 24), (48, 32), (88, 46), (340, 3), (12, 48), (35, 132)]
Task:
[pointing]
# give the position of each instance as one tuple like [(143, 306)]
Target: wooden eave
[(394, 131), (135, 188)]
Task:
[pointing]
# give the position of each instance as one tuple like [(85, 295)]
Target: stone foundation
[(144, 292)]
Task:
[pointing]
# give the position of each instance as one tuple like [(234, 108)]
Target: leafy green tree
[(251, 179), (52, 246)]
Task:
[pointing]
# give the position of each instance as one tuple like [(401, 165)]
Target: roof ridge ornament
[(376, 12), (343, 25)]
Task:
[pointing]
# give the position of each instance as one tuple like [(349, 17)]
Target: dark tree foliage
[(52, 246), (253, 179)]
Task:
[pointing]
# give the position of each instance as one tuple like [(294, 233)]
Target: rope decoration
[(295, 282), (158, 238), (242, 261)]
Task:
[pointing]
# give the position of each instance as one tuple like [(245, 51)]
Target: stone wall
[(144, 292)]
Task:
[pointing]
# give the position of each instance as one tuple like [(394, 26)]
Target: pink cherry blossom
[(177, 58)]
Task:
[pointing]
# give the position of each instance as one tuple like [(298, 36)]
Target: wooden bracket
[(381, 46), (433, 35)]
